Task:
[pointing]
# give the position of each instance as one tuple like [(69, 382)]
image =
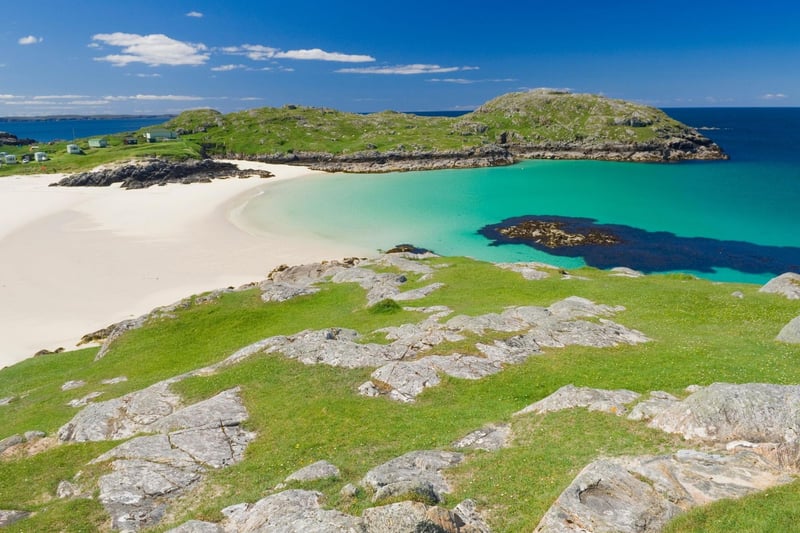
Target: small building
[(98, 143), (40, 156), (131, 140), (10, 159), (160, 134), (74, 149)]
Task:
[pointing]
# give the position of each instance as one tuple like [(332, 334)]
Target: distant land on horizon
[(49, 118)]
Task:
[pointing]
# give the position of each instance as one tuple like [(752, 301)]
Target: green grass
[(302, 414)]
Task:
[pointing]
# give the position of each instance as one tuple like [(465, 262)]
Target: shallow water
[(752, 198)]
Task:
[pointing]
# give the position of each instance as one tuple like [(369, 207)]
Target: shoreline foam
[(75, 260)]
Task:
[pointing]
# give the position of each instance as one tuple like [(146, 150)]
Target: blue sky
[(147, 56)]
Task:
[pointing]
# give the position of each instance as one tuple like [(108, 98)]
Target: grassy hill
[(701, 334), (530, 124)]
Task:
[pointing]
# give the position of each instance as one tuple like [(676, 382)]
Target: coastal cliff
[(540, 124)]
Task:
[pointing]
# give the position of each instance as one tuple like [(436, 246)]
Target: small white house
[(10, 159), (74, 149), (98, 143), (40, 156), (160, 134)]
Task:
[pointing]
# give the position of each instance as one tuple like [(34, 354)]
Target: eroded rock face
[(641, 494), (723, 412), (787, 284), (570, 396)]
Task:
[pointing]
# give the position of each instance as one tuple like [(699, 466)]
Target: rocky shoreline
[(693, 147), (157, 171)]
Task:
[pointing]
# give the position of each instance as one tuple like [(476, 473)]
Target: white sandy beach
[(76, 259)]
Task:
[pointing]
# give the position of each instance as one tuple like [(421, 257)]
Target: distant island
[(51, 118), (539, 124)]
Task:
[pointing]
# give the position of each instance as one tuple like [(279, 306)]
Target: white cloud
[(258, 52), (30, 39), (773, 96), (7, 96), (153, 50), (316, 54), (151, 97), (194, 14), (417, 68), (465, 81), (59, 97), (143, 75), (250, 98), (227, 68)]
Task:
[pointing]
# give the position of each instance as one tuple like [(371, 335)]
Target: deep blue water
[(51, 130), (752, 201)]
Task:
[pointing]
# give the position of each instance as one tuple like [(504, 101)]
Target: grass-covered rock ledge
[(443, 394)]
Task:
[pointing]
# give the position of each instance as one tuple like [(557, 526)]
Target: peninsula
[(538, 124)]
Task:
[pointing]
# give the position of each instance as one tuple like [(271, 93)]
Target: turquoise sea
[(754, 197)]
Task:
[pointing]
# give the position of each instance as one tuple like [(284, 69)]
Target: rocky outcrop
[(790, 332), (724, 412), (301, 511), (530, 271), (9, 517), (787, 284), (148, 471), (315, 471), (648, 409), (489, 438), (144, 173), (570, 397), (415, 473), (9, 139), (641, 494)]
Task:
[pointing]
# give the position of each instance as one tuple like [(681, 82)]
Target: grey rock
[(150, 470), (723, 412), (415, 472), (737, 294), (290, 511), (787, 284), (8, 442), (280, 292), (197, 526), (790, 332), (369, 389), (122, 417), (349, 491), (84, 400), (625, 272), (642, 494), (467, 512), (531, 271), (570, 396), (9, 517), (114, 381), (312, 472), (655, 405), (489, 438), (66, 489), (34, 435), (7, 400), (395, 518), (308, 274), (73, 384)]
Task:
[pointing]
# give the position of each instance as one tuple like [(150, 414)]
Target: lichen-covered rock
[(790, 332), (570, 397), (723, 412), (290, 511), (641, 494), (197, 526), (489, 438), (9, 517), (73, 384), (312, 472), (418, 472), (658, 402), (787, 284), (531, 271)]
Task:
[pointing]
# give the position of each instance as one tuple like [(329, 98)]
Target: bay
[(754, 197), (68, 129)]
